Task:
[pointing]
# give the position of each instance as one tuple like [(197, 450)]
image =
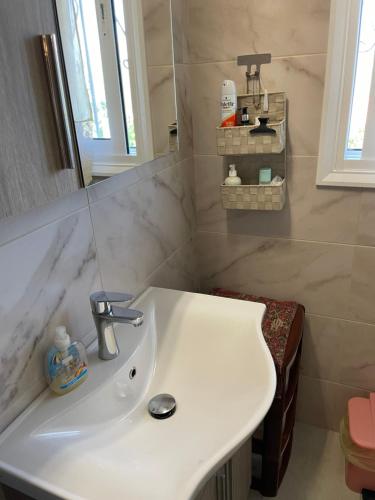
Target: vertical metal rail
[(60, 103)]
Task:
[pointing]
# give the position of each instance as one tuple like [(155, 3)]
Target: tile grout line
[(145, 178), (337, 318), (57, 220), (299, 240), (281, 57), (225, 156), (334, 382), (178, 249)]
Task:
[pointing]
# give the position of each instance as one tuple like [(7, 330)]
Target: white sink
[(99, 442)]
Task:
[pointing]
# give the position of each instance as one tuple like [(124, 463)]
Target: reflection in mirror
[(121, 85)]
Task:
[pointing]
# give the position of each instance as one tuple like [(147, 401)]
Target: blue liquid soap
[(66, 363)]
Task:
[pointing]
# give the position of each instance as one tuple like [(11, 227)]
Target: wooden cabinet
[(232, 481), (210, 489), (31, 169), (11, 494)]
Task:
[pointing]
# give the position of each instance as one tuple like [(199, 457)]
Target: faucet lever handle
[(101, 301)]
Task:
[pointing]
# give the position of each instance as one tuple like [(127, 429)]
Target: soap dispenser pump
[(66, 363), (232, 179)]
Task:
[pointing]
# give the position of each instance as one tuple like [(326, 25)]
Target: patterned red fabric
[(276, 323)]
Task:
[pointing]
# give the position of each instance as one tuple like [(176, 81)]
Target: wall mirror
[(118, 57)]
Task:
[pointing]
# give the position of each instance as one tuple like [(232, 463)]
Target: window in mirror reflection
[(96, 124), (102, 100), (123, 99), (123, 58)]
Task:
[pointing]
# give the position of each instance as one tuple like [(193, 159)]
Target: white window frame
[(333, 168), (106, 162)]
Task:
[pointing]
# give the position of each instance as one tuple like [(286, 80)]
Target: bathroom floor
[(316, 468)]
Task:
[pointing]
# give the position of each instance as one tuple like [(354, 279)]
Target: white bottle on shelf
[(228, 103), (232, 179)]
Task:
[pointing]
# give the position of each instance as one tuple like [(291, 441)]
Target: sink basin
[(99, 441)]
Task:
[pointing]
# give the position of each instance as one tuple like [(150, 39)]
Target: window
[(347, 139), (105, 60)]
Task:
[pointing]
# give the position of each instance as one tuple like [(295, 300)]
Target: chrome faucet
[(105, 315)]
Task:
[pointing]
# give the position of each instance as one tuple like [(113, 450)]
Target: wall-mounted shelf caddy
[(253, 196), (241, 141), (261, 143)]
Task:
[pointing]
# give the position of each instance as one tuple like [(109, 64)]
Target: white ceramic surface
[(100, 442)]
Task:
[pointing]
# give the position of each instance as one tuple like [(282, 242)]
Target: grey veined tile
[(137, 229), (366, 223), (157, 32), (163, 105), (324, 403), (47, 277), (339, 351), (178, 272), (315, 274), (220, 31), (363, 284)]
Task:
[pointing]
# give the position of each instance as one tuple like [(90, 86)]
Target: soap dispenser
[(66, 363), (232, 179)]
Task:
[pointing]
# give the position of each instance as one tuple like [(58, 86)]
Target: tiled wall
[(125, 233), (159, 58), (320, 249)]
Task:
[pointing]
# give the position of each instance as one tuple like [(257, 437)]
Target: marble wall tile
[(209, 174), (315, 274), (320, 350), (139, 228), (180, 23), (158, 33), (12, 228), (162, 104), (309, 205), (301, 77), (184, 111), (178, 272), (221, 30), (366, 223), (324, 403), (47, 277), (363, 284), (301, 218), (125, 180), (339, 351)]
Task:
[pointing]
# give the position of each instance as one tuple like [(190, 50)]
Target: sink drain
[(162, 406)]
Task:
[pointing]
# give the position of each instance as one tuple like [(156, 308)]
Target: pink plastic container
[(358, 479), (361, 415)]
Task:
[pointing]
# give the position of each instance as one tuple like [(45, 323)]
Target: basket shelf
[(239, 140), (254, 197)]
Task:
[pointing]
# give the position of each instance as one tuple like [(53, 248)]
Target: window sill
[(348, 179), (109, 169)]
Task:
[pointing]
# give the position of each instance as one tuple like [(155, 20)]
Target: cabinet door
[(241, 472), (209, 491), (31, 171), (232, 481)]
